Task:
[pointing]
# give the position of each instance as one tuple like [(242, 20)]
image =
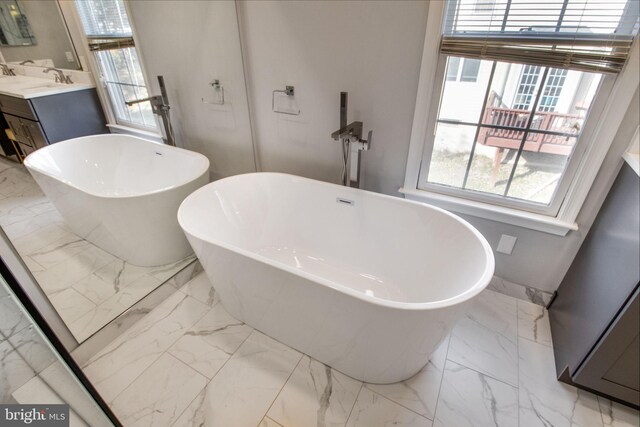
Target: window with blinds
[(519, 79), (105, 23), (587, 35), (109, 35)]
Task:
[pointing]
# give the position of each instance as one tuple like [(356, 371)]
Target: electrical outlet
[(70, 57), (506, 244)]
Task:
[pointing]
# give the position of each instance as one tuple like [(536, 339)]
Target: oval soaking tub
[(121, 193), (366, 283)]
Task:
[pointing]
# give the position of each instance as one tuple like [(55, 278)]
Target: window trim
[(605, 123), (494, 199), (101, 87)]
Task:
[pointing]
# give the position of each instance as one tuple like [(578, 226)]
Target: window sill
[(154, 136), (502, 214)]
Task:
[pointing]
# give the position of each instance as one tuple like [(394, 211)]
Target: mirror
[(95, 293), (35, 30), (14, 25)]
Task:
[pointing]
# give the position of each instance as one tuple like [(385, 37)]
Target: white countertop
[(32, 87)]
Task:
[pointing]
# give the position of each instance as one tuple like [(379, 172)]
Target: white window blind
[(110, 37), (585, 35), (105, 23)]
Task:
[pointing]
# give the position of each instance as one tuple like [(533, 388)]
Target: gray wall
[(370, 49), (52, 39), (204, 46), (373, 51)]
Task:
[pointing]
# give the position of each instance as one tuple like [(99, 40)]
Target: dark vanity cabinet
[(43, 120), (595, 318)]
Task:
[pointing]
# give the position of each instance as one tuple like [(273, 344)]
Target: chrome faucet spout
[(354, 129), (350, 137), (156, 101), (160, 106), (60, 77), (6, 70)]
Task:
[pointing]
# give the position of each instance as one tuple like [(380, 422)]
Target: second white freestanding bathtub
[(365, 283), (121, 193)]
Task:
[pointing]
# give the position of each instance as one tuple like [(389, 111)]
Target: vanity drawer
[(17, 107), (26, 131), (16, 127), (34, 133), (24, 149)]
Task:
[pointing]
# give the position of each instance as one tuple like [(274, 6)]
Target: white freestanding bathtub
[(366, 283), (121, 193)]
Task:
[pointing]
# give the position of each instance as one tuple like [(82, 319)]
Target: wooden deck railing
[(567, 124)]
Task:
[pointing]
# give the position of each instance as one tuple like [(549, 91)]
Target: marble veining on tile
[(371, 409), (201, 289), (187, 274), (243, 390), (236, 376), (101, 339), (32, 348), (420, 392), (315, 395), (521, 292), (469, 399), (545, 401), (268, 422), (14, 370), (61, 261), (41, 238), (160, 394), (12, 319), (220, 330), (113, 369), (36, 391), (59, 250), (486, 338), (616, 415), (58, 378), (208, 345), (533, 323), (109, 309), (71, 305)]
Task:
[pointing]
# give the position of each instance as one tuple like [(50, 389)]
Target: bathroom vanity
[(40, 112), (596, 315)]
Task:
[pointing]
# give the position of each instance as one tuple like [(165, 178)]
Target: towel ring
[(289, 91)]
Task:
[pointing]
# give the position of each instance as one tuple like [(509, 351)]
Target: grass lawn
[(535, 179)]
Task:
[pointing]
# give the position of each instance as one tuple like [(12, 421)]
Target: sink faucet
[(6, 71), (350, 135), (27, 61), (60, 77)]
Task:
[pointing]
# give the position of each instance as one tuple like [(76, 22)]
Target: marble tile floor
[(189, 363), (54, 386), (87, 286)]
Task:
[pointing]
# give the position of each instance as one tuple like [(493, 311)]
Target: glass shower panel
[(31, 370)]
